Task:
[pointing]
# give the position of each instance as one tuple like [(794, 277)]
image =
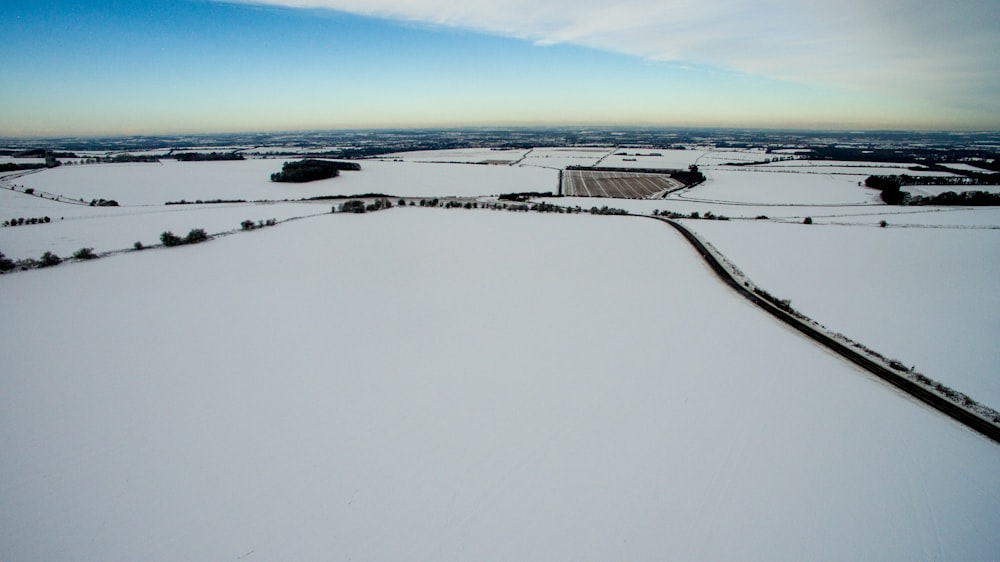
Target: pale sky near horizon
[(187, 66)]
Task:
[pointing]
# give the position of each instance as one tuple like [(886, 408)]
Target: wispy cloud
[(941, 52)]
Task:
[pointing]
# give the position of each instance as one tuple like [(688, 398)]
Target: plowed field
[(623, 185)]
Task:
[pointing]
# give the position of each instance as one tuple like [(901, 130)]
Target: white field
[(431, 384), (12, 160), (155, 184), (926, 296), (932, 190), (849, 167), (965, 167), (264, 151), (141, 189), (747, 186), (931, 217), (560, 158), (464, 155), (669, 159), (115, 228)]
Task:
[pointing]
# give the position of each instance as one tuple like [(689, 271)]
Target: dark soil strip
[(908, 386)]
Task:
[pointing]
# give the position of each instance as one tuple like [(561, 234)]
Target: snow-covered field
[(925, 296), (668, 159), (748, 186), (142, 189), (965, 167), (849, 168), (115, 228), (464, 155), (932, 190), (155, 184), (453, 384), (563, 157), (432, 384)]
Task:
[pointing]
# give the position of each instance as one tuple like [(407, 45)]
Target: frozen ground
[(560, 158), (155, 184), (925, 296), (142, 190), (466, 155), (932, 190), (932, 217), (965, 167), (749, 186), (431, 384), (115, 228)]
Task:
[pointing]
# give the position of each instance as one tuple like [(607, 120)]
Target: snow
[(116, 228), (668, 159), (464, 155), (922, 216), (965, 167), (422, 383), (155, 184), (752, 187), (932, 190), (560, 158), (925, 296)]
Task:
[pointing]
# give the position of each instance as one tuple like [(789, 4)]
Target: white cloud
[(921, 49)]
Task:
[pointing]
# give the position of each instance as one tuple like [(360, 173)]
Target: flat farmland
[(620, 185)]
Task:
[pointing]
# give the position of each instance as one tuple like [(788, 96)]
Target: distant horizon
[(496, 127)]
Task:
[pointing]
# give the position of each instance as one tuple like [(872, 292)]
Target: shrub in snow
[(170, 239), (138, 246), (6, 264), (85, 254), (196, 235), (808, 220), (49, 259), (247, 225)]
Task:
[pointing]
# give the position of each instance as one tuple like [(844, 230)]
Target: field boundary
[(928, 396)]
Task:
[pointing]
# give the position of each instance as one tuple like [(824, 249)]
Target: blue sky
[(96, 67)]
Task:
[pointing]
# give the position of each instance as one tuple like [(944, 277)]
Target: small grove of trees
[(359, 206), (196, 235), (523, 196), (250, 225), (693, 215), (605, 210), (48, 259), (311, 170), (21, 221)]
